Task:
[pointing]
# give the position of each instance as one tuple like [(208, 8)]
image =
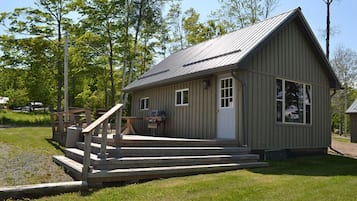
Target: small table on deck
[(129, 126)]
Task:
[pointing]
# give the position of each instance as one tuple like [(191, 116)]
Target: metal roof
[(353, 108), (215, 55)]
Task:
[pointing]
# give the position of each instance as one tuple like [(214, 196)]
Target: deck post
[(86, 157), (117, 135), (88, 117), (103, 145), (53, 124), (61, 129)]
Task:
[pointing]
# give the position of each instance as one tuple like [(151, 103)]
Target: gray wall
[(289, 56), (197, 120), (353, 127)]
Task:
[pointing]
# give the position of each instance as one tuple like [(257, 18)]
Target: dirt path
[(347, 149)]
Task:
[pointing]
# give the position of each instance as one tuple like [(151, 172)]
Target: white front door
[(226, 115)]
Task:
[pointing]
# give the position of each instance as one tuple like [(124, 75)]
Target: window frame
[(182, 98), (229, 95), (283, 102), (145, 105)]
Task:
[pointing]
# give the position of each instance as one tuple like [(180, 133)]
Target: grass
[(310, 178), (24, 119), (26, 157), (341, 138)]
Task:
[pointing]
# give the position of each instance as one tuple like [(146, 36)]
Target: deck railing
[(88, 131), (60, 121)]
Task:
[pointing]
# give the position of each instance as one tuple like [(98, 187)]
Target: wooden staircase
[(138, 159), (142, 157)]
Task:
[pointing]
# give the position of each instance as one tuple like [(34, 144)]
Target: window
[(226, 93), (144, 103), (181, 97), (293, 102)]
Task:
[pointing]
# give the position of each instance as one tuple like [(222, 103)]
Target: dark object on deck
[(156, 119), (76, 117)]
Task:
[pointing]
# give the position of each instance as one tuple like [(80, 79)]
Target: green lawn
[(341, 138), (310, 178), (24, 119), (26, 157)]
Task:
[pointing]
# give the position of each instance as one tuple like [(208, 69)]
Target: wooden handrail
[(102, 118), (88, 136)]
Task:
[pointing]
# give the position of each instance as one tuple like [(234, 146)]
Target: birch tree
[(344, 63), (235, 14)]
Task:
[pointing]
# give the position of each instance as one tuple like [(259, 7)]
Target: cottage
[(352, 111), (267, 86)]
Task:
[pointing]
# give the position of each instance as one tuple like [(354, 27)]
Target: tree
[(236, 14), (345, 66), (47, 21), (143, 14), (196, 31), (30, 68), (103, 17), (175, 20), (110, 39)]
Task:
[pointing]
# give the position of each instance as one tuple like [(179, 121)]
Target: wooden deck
[(114, 157), (139, 157)]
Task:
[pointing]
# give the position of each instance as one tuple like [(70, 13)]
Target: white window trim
[(181, 91), (283, 103), (146, 105), (220, 95)]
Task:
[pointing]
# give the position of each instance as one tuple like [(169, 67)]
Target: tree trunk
[(59, 68), (328, 3), (137, 31), (126, 52), (110, 58), (345, 108)]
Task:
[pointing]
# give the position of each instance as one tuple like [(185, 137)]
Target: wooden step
[(180, 151), (72, 167), (77, 155), (164, 172), (170, 161), (147, 141), (159, 161), (165, 151), (95, 149)]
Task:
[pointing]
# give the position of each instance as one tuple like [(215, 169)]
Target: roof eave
[(186, 77)]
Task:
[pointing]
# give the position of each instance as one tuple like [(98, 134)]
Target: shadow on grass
[(328, 165), (55, 144)]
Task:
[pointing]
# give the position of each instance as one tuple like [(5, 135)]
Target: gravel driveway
[(347, 149)]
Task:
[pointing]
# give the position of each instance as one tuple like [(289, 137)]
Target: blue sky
[(343, 16)]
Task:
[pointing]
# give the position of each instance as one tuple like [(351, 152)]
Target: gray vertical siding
[(288, 56), (197, 120), (353, 127)]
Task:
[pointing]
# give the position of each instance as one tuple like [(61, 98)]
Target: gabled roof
[(353, 108), (224, 53)]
